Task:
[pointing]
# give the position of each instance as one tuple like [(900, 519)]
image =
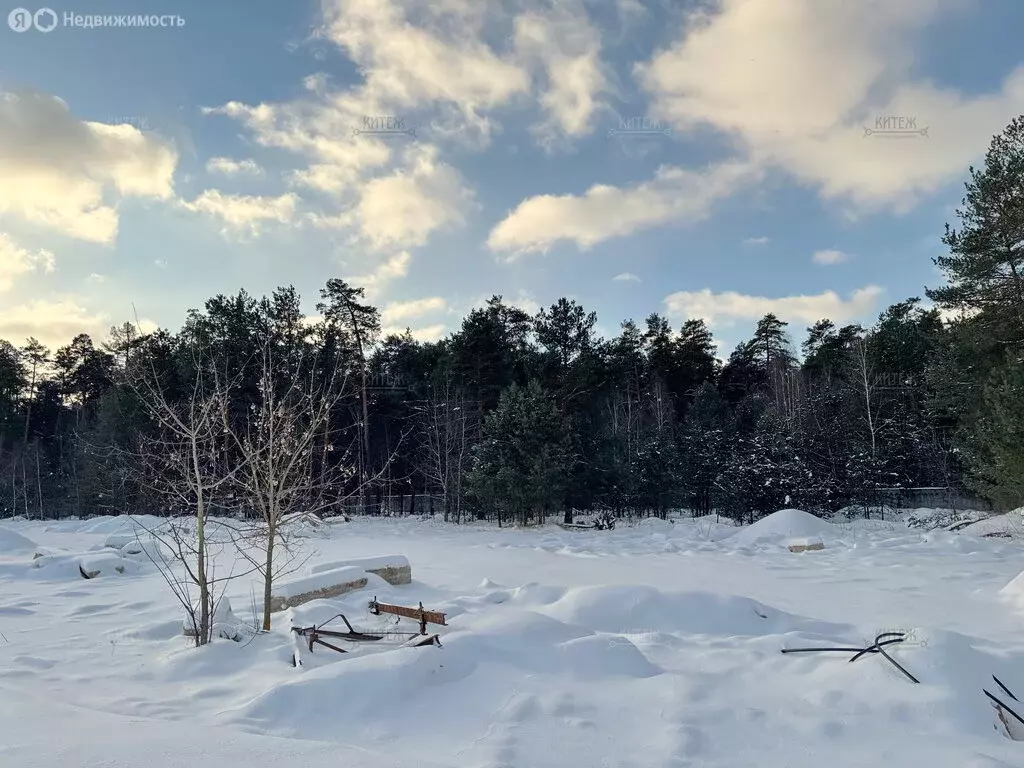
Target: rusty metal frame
[(314, 635), (419, 614)]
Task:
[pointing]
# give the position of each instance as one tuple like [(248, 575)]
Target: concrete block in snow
[(810, 544), (318, 586), (394, 569)]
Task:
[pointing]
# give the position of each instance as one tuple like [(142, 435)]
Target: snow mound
[(225, 624), (954, 673), (1007, 526), (480, 670), (782, 525), (105, 565), (636, 610), (75, 565), (655, 525), (597, 657), (1014, 591), (14, 543)]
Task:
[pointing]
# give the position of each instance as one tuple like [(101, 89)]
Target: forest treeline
[(516, 417)]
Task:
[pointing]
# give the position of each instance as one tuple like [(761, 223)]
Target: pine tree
[(985, 266), (998, 444)]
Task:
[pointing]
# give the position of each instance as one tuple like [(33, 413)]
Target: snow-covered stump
[(319, 586), (119, 540), (807, 544), (224, 624), (394, 569)]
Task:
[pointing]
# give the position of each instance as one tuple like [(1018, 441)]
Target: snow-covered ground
[(654, 645)]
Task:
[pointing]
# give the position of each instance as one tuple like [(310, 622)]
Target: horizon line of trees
[(516, 417)]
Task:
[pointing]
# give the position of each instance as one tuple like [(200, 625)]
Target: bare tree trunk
[(39, 484), (203, 630), (268, 577), (867, 390), (24, 485)]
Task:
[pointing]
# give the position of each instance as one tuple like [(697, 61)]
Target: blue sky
[(147, 169)]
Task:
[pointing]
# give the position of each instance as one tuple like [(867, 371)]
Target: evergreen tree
[(996, 448), (704, 442), (984, 269), (522, 468)]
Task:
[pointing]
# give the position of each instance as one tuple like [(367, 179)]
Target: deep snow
[(652, 645)]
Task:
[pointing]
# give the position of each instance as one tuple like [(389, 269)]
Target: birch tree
[(182, 463), (448, 421)]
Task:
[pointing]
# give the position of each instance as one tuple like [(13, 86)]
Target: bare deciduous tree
[(864, 380), (447, 422), (285, 467), (183, 464)]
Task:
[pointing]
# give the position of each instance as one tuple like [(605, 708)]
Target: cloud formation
[(229, 167), (673, 196), (68, 174), (16, 261), (55, 322), (243, 214), (811, 76), (728, 307), (829, 256)]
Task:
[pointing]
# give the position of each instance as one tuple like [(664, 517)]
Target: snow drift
[(13, 543), (782, 525)]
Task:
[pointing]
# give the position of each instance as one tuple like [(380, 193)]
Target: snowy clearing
[(651, 645)]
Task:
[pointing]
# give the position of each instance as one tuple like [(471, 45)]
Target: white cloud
[(756, 241), (525, 301), (626, 277), (728, 307), (229, 167), (440, 59), (396, 312), (95, 277), (16, 261), (403, 209), (674, 196), (562, 42), (244, 214), (375, 282), (796, 82), (55, 323), (436, 67), (68, 174), (320, 130), (428, 333), (829, 256)]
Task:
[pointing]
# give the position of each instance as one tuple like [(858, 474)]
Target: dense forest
[(516, 417)]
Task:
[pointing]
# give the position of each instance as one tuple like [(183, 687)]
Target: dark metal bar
[(315, 638), (1006, 690), (1017, 717), (876, 647)]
